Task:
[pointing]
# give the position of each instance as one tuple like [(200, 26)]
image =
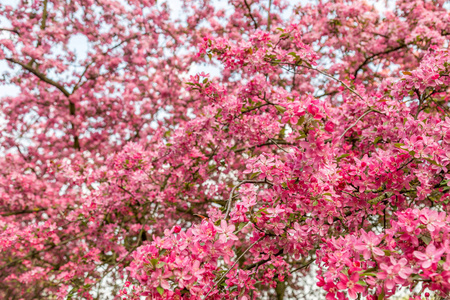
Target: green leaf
[(234, 287), (398, 145), (160, 265), (360, 282), (280, 108), (315, 203), (377, 139), (416, 277), (253, 175), (263, 209), (342, 156), (154, 261), (432, 162), (241, 225), (368, 274), (301, 120), (425, 239), (381, 295), (160, 290)]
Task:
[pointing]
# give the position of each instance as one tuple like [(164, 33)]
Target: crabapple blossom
[(219, 153)]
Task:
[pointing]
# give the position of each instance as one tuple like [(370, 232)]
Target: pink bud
[(329, 126)]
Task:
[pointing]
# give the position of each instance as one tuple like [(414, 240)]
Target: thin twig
[(40, 76), (238, 185), (338, 80), (304, 266), (329, 76), (359, 119), (261, 145), (10, 30), (237, 260), (44, 250), (121, 260), (278, 145), (261, 262), (255, 24), (410, 161), (26, 211)]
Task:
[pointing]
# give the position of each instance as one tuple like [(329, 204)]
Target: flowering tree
[(324, 140)]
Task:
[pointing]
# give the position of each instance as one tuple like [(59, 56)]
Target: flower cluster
[(415, 247)]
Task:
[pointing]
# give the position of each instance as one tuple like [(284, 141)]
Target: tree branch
[(26, 211), (261, 262), (237, 260), (44, 15), (250, 14), (304, 266), (40, 75), (359, 119), (72, 109), (238, 185), (375, 55), (10, 30)]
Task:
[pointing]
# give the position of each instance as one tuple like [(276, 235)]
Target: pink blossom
[(432, 255)]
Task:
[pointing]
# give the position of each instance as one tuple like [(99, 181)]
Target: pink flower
[(431, 255), (226, 232), (330, 287), (371, 241), (394, 274), (329, 126), (160, 279), (183, 276), (432, 219), (351, 284)]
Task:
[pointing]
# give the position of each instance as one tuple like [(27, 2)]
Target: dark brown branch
[(262, 145), (26, 211), (261, 262), (250, 14), (256, 107), (237, 260), (40, 75), (269, 20), (10, 30), (304, 266), (40, 251), (44, 15), (237, 186), (368, 59)]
